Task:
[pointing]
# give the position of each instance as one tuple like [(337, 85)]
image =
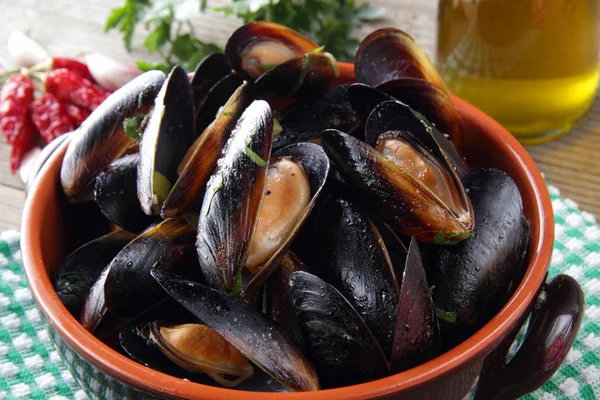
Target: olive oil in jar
[(530, 64)]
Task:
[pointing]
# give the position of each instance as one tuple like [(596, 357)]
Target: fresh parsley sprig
[(331, 23)]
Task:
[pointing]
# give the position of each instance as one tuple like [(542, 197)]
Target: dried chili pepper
[(77, 114), (22, 145), (72, 65), (15, 96), (50, 117), (72, 88)]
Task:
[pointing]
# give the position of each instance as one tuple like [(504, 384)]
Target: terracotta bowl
[(104, 373)]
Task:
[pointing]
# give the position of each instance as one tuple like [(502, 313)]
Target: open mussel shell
[(256, 336), (129, 289), (77, 274), (305, 119), (403, 202), (256, 47), (342, 347), (233, 198), (221, 93), (359, 266), (390, 53), (315, 163), (208, 72), (363, 99), (201, 159), (417, 335), (101, 138), (300, 76), (475, 278), (397, 116), (168, 135), (115, 191), (431, 101)]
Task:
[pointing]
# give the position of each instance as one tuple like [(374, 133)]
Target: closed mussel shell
[(305, 119), (81, 268), (168, 135), (300, 76), (342, 347), (315, 163), (390, 53), (115, 192), (396, 197), (233, 198), (255, 335), (475, 278), (256, 47), (188, 191), (359, 266), (417, 335), (101, 138), (129, 289)]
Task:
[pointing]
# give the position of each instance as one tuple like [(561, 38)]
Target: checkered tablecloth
[(31, 368)]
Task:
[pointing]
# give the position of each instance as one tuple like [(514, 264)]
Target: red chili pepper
[(50, 117), (72, 88), (21, 146), (15, 96), (78, 67), (77, 114)]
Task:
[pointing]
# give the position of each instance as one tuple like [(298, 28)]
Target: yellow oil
[(530, 64)]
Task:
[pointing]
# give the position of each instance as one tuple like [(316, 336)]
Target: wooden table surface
[(69, 27)]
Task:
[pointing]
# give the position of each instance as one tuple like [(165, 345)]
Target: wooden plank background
[(70, 27)]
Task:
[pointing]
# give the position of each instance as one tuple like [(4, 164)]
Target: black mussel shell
[(417, 335), (258, 337), (115, 193), (300, 76), (85, 222), (316, 164), (81, 268), (390, 53), (308, 117), (342, 347), (397, 198), (101, 138), (357, 263), (201, 159), (168, 135), (431, 101), (208, 72), (233, 198), (475, 278), (129, 290), (363, 99), (397, 116), (256, 47), (217, 97)]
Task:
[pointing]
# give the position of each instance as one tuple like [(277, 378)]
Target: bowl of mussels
[(280, 222)]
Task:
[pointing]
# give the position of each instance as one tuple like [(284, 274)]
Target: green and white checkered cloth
[(31, 368)]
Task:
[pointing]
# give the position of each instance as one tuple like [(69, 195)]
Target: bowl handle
[(554, 323)]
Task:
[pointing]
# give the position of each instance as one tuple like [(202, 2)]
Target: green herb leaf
[(132, 126), (237, 288), (445, 315), (451, 238), (254, 157)]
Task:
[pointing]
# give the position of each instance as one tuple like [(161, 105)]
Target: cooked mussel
[(390, 53), (102, 138), (77, 274), (398, 194), (340, 343), (475, 278), (115, 192), (201, 158), (255, 335), (217, 97), (295, 179), (210, 70), (358, 264), (233, 198), (168, 135), (257, 47)]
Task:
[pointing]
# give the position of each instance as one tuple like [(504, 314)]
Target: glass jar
[(530, 64)]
